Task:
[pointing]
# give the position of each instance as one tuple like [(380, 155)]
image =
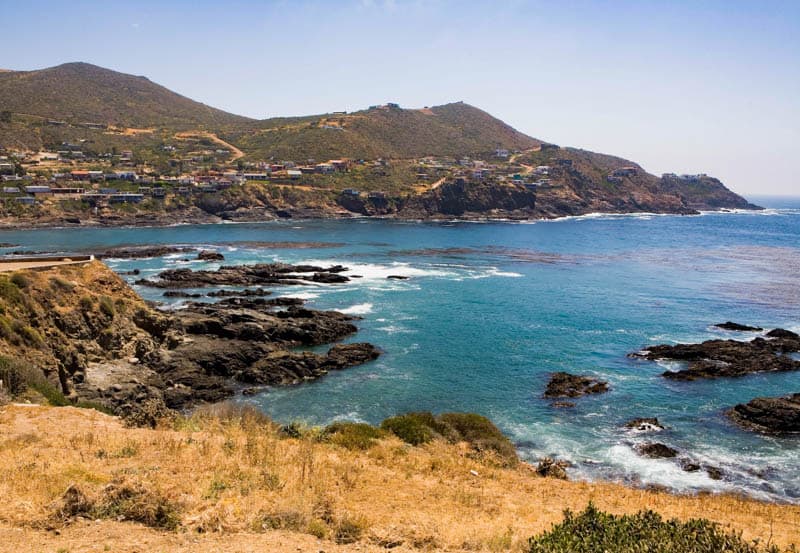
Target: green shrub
[(20, 280), (107, 306), (421, 427), (412, 428), (53, 395), (61, 285), (27, 334), (9, 291), (16, 375), (352, 435), (481, 433), (7, 331), (594, 531), (86, 303)]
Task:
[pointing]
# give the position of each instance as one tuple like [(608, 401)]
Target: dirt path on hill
[(237, 153)]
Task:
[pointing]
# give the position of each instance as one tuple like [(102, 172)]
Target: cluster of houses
[(685, 178)]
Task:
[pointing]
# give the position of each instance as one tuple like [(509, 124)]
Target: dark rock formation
[(645, 425), (569, 385), (728, 358), (180, 294), (459, 198), (769, 414), (729, 325), (247, 292), (247, 275), (656, 451), (397, 277), (209, 255), (139, 252)]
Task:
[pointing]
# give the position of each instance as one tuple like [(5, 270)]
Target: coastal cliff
[(81, 332)]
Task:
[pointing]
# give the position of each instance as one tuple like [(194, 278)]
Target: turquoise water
[(492, 308)]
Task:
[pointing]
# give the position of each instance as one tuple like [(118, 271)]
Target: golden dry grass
[(240, 487)]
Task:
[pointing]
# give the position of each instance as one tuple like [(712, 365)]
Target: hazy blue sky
[(677, 86)]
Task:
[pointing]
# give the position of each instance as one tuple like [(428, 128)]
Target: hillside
[(85, 93), (101, 113), (390, 132)]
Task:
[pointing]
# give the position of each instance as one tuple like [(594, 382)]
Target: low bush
[(134, 502), (16, 375), (107, 306), (86, 303), (349, 529), (481, 434), (9, 291), (20, 280), (421, 427), (27, 334), (61, 285), (352, 435), (412, 428), (594, 531)]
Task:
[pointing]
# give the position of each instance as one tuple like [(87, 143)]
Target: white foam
[(300, 295), (358, 309)]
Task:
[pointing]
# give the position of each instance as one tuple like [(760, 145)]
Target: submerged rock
[(656, 451), (645, 425), (729, 358), (729, 325), (569, 385), (771, 414), (209, 255)]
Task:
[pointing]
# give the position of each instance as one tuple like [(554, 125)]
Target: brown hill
[(81, 92)]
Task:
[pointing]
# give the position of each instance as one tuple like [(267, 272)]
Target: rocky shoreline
[(98, 341), (712, 359), (197, 217)]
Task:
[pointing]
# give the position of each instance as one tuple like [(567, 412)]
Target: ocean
[(491, 309)]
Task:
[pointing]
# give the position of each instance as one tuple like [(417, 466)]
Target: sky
[(677, 86)]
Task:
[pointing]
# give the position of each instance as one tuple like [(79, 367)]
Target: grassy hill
[(81, 92), (449, 130)]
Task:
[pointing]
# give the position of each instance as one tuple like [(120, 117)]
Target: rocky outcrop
[(208, 255), (644, 425), (248, 275), (459, 198), (769, 414), (569, 385), (736, 327), (143, 252), (656, 451), (551, 468), (730, 358), (95, 339)]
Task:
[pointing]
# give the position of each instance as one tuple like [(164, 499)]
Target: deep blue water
[(493, 308)]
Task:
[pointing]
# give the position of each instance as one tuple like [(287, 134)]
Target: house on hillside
[(502, 153), (624, 172), (38, 190)]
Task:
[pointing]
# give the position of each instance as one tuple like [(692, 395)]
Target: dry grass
[(236, 484)]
